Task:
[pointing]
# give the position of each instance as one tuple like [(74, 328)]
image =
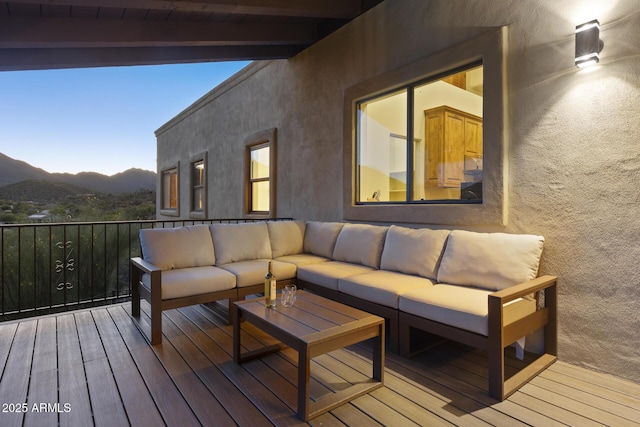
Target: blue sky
[(97, 119)]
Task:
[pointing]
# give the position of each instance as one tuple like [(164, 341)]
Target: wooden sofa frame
[(154, 296), (503, 330)]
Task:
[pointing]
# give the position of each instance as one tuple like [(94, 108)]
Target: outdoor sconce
[(588, 43)]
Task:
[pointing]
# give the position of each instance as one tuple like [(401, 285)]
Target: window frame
[(486, 48), (170, 211), (194, 213), (267, 138), (410, 161)]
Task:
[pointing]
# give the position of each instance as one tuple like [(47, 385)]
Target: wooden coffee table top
[(311, 318)]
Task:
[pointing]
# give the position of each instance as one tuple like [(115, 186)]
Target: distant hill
[(40, 191), (13, 171), (128, 181)]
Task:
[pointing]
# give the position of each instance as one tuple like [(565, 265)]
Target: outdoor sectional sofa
[(480, 289)]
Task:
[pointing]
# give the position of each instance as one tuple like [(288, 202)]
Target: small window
[(170, 197), (198, 187), (260, 174)]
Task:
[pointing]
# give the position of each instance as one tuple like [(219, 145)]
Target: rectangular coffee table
[(313, 326)]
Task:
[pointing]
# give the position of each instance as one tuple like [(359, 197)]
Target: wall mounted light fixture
[(588, 43)]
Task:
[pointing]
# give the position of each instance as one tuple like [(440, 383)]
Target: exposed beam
[(82, 33), (304, 8), (41, 59)]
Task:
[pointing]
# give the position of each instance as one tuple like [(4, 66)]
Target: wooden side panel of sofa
[(154, 296), (502, 333)]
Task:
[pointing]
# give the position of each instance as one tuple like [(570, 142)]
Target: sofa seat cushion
[(382, 287), (327, 273), (187, 282), (492, 261), (460, 306), (287, 237), (360, 244), (302, 259), (250, 273), (169, 248), (413, 251), (320, 237), (240, 242)]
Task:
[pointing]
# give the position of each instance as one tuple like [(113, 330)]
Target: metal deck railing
[(47, 268)]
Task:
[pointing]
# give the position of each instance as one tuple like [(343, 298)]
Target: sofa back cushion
[(320, 237), (360, 244), (491, 261), (183, 247), (413, 251), (240, 242), (287, 237)]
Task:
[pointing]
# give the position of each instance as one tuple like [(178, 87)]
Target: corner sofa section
[(481, 289)]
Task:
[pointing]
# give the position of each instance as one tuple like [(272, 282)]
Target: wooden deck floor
[(94, 367)]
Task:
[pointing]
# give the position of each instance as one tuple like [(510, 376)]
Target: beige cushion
[(169, 248), (287, 237), (360, 244), (413, 251), (249, 273), (320, 237), (240, 242), (382, 287), (459, 306), (327, 273), (193, 281), (491, 261), (302, 259)]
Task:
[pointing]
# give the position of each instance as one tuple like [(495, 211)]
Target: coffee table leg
[(378, 356), (236, 333), (304, 366)]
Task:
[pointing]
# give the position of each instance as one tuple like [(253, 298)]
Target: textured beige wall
[(573, 159)]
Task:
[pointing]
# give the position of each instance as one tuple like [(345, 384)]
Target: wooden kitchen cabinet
[(473, 136), (450, 134)]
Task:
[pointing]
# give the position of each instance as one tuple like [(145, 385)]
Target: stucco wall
[(573, 154)]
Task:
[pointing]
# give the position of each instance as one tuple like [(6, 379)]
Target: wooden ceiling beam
[(41, 59), (84, 33), (341, 9)]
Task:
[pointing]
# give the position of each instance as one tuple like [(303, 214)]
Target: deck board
[(43, 384), (137, 401), (71, 373), (98, 361), (15, 376)]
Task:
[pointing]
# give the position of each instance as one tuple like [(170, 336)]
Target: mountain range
[(21, 179)]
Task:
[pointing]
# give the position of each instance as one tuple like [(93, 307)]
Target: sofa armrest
[(505, 329), (523, 289), (144, 266), (138, 267), (508, 328)]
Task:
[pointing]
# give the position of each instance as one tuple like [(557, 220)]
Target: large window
[(423, 143), (260, 159), (169, 195), (199, 186)]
